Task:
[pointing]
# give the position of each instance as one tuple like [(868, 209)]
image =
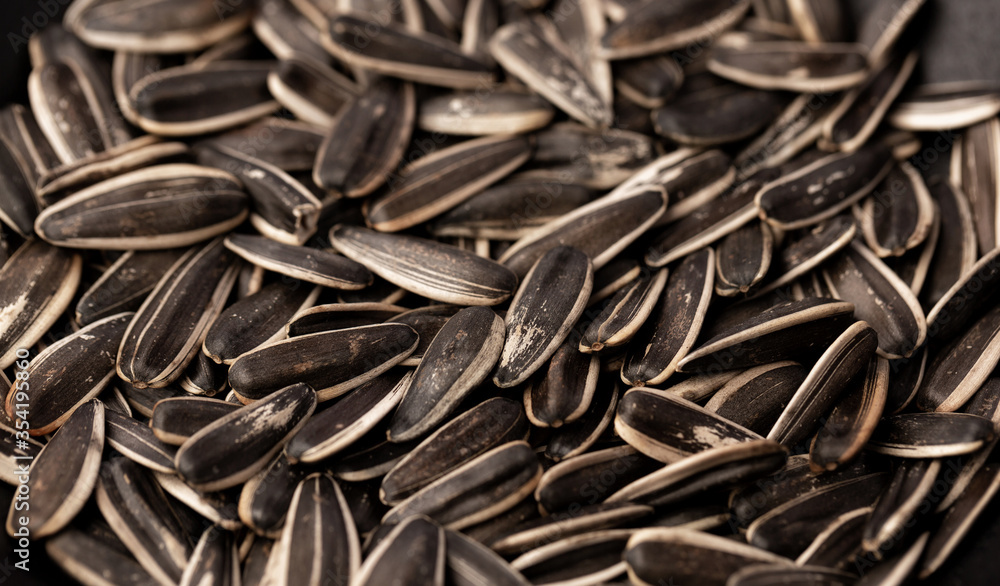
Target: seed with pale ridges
[(756, 398), (265, 497), (138, 443), (83, 556), (565, 393), (931, 435), (547, 304), (559, 487), (788, 65), (624, 314), (175, 419), (215, 560), (234, 447), (413, 553), (125, 284), (471, 563), (648, 29), (298, 262)]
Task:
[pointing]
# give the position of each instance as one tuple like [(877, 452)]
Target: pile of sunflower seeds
[(470, 292)]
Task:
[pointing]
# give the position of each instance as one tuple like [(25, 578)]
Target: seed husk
[(13, 453), (444, 179), (338, 316), (762, 575), (192, 99), (367, 141), (233, 448), (310, 89), (471, 563), (492, 423), (319, 541), (565, 393), (265, 498), (788, 65), (624, 314), (694, 556), (175, 419), (501, 112), (401, 558), (18, 206), (139, 513), (577, 481), (790, 527), (399, 52), (899, 214), (543, 61), (215, 560), (331, 362), (852, 421), (171, 324), (654, 355), (138, 443), (316, 266), (343, 423), (712, 469), (931, 435), (799, 257), (826, 383), (839, 541), (592, 157), (711, 111), (69, 373), (693, 183), (61, 98), (437, 271), (123, 286), (63, 474), (536, 323), (89, 559), (900, 505), (191, 203), (834, 182), (756, 397), (955, 251), (459, 358), (970, 296), (649, 81), (655, 28), (37, 284), (601, 229), (744, 257), (667, 428), (585, 558), (782, 332), (962, 366)]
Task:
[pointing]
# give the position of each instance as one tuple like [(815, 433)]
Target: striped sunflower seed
[(215, 560), (586, 558), (744, 257), (536, 325), (585, 478), (459, 358), (567, 390), (63, 474), (931, 435), (245, 440), (331, 362), (18, 206), (338, 316), (470, 563), (320, 267), (138, 443), (37, 284), (311, 90), (624, 313), (649, 81), (265, 498), (61, 98), (401, 558), (591, 518), (175, 419), (500, 112), (579, 436), (900, 504), (69, 373), (961, 367), (84, 556), (191, 202), (651, 28), (437, 271), (492, 423), (756, 397), (788, 65), (171, 323)]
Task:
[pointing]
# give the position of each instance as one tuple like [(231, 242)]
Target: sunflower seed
[(138, 443), (214, 560), (541, 59), (92, 561), (600, 229), (371, 457), (69, 373), (955, 251), (470, 563), (788, 65), (193, 204), (779, 333), (744, 258), (590, 478), (37, 284), (338, 316), (650, 81), (61, 98), (804, 254), (788, 528), (536, 325), (795, 129), (838, 542), (587, 558), (881, 23), (694, 183), (828, 380), (693, 556), (708, 110), (511, 209), (251, 436), (218, 507), (761, 575), (477, 490), (712, 469), (311, 265), (492, 423), (657, 27), (899, 506), (962, 366), (11, 451), (595, 158), (396, 51), (654, 355), (756, 398), (331, 362), (367, 140), (265, 497), (319, 541), (175, 419), (338, 426), (171, 324), (138, 512), (931, 435), (970, 296), (18, 206), (401, 558), (311, 90), (899, 214), (500, 112), (436, 271), (441, 180), (624, 314), (63, 474), (980, 178), (665, 427)]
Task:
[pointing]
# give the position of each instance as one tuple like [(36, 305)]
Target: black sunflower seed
[(402, 557), (175, 419), (756, 397), (624, 314), (931, 435)]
